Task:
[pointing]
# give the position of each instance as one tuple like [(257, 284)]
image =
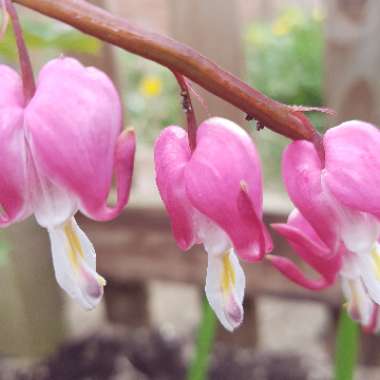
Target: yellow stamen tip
[(101, 280)]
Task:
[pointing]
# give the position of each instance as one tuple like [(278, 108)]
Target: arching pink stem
[(188, 109), (25, 63)]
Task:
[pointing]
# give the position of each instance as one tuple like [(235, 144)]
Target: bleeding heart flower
[(214, 196), (337, 227), (58, 154)]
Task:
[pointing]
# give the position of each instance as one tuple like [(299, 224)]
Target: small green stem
[(347, 346), (205, 341)]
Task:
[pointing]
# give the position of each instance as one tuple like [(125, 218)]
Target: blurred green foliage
[(284, 57), (48, 35), (284, 61)]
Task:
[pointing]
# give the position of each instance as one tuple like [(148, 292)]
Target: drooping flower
[(336, 227), (58, 154), (213, 196)]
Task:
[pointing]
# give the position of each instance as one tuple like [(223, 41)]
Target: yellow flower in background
[(318, 14), (280, 28), (257, 35), (287, 21), (151, 86)]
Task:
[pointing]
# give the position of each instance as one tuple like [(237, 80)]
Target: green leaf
[(347, 346), (205, 341), (4, 250)]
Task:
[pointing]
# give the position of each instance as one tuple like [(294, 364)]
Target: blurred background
[(303, 52)]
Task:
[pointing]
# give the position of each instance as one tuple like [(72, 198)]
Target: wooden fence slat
[(213, 28), (31, 318), (353, 59)]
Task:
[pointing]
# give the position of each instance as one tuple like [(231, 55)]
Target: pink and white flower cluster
[(61, 148), (214, 196)]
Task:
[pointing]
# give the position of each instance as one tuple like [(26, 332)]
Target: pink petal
[(353, 165), (73, 123), (13, 162), (11, 91), (302, 173), (171, 155), (250, 217), (291, 271), (224, 159), (373, 325), (310, 248), (124, 162)]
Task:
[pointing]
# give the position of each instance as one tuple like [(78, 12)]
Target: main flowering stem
[(179, 58)]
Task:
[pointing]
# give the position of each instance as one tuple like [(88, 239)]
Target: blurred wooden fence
[(353, 59), (138, 247)]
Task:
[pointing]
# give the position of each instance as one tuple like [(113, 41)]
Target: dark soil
[(147, 355)]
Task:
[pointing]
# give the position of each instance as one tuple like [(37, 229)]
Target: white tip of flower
[(225, 284), (74, 262), (369, 266), (359, 305)]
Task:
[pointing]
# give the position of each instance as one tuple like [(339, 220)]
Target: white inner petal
[(214, 239), (350, 268), (358, 230), (225, 285), (52, 204), (359, 304), (370, 272), (74, 262)]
